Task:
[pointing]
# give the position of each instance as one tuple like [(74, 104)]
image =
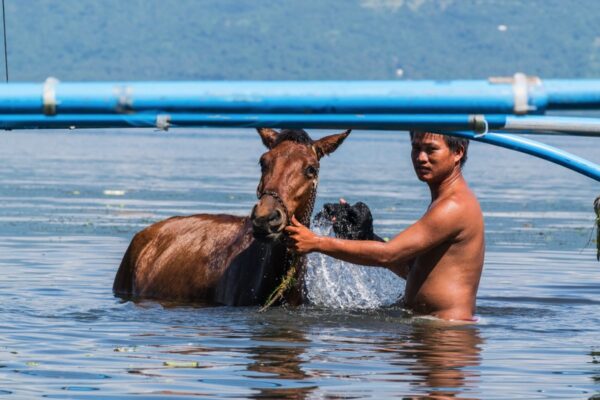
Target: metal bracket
[(49, 96)]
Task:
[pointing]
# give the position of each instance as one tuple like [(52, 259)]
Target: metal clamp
[(49, 96), (479, 125)]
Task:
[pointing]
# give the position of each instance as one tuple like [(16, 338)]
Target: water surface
[(70, 202)]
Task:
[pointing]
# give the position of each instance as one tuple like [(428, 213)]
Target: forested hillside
[(303, 39)]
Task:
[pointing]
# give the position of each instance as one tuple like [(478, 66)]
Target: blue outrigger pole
[(537, 149), (518, 95)]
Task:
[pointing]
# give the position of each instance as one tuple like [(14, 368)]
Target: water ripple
[(64, 335)]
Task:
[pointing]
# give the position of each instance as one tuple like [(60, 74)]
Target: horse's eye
[(310, 172)]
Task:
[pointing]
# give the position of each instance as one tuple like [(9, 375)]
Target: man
[(441, 255)]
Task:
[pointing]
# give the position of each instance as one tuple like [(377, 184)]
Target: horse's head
[(290, 173)]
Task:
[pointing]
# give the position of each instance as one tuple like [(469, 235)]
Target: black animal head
[(349, 222)]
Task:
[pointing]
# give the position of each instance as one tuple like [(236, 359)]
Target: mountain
[(301, 39)]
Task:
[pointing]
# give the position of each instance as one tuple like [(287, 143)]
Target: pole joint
[(521, 84), (49, 96)]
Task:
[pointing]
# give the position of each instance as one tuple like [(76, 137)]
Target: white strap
[(124, 95), (521, 92), (49, 96), (521, 84), (163, 122)]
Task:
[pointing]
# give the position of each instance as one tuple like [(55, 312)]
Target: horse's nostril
[(276, 218), (271, 223)]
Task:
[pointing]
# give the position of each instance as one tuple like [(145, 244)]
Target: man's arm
[(440, 223)]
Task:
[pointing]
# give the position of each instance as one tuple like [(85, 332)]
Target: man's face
[(432, 158)]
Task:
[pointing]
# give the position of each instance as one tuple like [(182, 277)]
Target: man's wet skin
[(440, 255)]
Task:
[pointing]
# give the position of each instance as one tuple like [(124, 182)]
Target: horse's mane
[(293, 135)]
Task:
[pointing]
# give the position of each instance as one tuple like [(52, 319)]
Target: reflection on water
[(69, 208), (446, 358), (278, 355)]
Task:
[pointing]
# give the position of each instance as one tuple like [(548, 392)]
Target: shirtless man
[(440, 255)]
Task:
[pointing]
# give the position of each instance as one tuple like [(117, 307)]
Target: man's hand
[(301, 239)]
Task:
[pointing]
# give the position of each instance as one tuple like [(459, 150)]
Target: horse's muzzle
[(268, 226)]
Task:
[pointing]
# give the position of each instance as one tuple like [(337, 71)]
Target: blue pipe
[(431, 122), (573, 94), (300, 97), (536, 149), (263, 97)]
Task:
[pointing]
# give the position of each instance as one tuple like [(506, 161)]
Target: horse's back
[(181, 258)]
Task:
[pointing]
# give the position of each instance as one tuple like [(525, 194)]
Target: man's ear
[(328, 144), (268, 136), (459, 154)]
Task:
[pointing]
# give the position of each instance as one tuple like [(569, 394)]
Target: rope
[(597, 209), (5, 48), (284, 286)]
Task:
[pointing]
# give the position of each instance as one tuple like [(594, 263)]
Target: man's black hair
[(453, 143)]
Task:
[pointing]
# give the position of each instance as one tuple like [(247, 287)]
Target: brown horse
[(226, 259)]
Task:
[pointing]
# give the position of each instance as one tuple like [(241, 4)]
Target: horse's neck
[(254, 272), (258, 268)]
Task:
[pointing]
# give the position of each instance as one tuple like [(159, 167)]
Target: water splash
[(333, 283)]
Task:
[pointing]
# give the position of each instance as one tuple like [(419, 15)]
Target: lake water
[(71, 201)]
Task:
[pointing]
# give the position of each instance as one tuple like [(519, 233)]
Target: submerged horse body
[(226, 259)]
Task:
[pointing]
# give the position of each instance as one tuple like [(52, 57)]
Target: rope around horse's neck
[(283, 287), (288, 281)]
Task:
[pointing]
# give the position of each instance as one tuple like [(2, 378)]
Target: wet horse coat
[(226, 259)]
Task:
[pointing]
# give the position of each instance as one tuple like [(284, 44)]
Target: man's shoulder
[(457, 206), (457, 201)]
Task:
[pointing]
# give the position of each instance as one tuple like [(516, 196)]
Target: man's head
[(435, 156)]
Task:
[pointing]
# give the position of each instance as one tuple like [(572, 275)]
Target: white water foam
[(338, 284)]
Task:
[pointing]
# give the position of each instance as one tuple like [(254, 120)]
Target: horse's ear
[(268, 136), (328, 144)]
